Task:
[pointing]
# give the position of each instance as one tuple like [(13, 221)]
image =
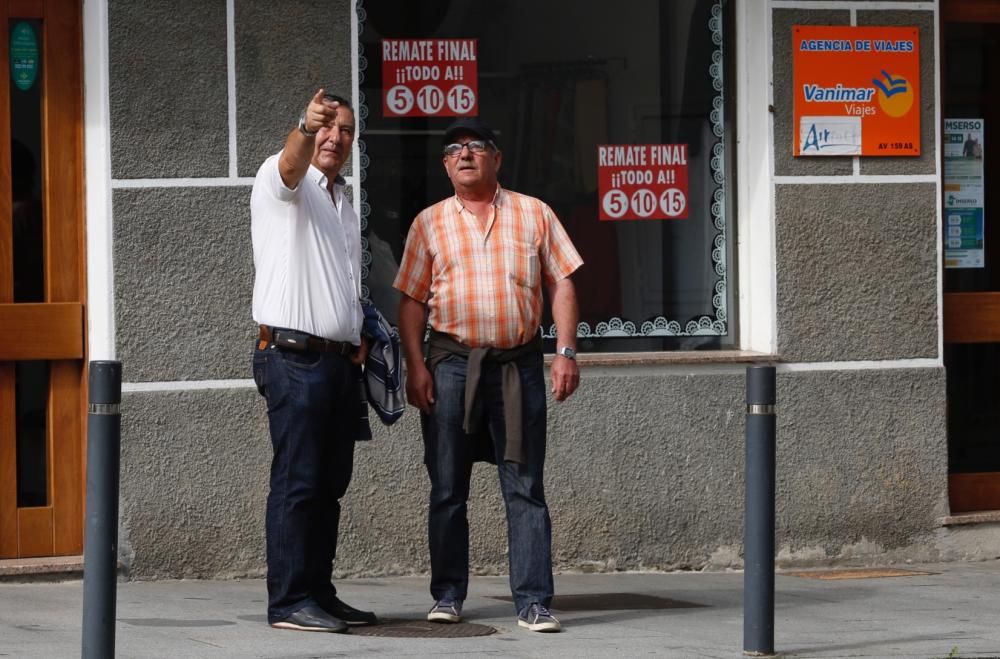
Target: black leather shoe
[(332, 605), (311, 619)]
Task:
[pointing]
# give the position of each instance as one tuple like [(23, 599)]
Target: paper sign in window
[(430, 78), (642, 181)]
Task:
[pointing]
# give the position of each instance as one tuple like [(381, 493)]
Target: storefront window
[(565, 83)]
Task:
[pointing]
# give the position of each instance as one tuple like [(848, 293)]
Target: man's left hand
[(565, 377), (361, 354)]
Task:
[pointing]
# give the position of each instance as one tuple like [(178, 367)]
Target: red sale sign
[(642, 181), (429, 78)]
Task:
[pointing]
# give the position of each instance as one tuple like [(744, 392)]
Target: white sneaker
[(538, 619), (445, 611)]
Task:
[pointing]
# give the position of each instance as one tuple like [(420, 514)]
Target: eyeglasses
[(476, 147)]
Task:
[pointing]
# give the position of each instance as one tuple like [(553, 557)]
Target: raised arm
[(300, 147)]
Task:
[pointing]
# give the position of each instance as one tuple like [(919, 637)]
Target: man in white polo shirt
[(307, 257)]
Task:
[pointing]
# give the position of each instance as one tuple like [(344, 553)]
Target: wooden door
[(971, 90), (42, 367)]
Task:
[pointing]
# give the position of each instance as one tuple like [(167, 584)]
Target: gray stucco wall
[(167, 71), (644, 471), (857, 271), (284, 51), (183, 283), (645, 464)]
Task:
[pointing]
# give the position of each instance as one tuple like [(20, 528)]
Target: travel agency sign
[(857, 90)]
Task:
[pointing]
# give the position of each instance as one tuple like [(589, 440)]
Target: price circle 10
[(430, 99), (643, 202)]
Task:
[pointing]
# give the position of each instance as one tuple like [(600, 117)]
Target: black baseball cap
[(471, 125)]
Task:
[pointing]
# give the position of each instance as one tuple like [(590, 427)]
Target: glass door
[(41, 280), (971, 168)]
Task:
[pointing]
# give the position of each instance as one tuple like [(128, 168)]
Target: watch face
[(566, 351)]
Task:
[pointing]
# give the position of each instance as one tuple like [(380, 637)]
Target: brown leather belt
[(296, 340)]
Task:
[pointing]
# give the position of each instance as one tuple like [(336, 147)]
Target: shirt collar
[(319, 178), (499, 198)]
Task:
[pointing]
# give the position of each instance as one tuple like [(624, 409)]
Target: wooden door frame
[(60, 321), (968, 11)]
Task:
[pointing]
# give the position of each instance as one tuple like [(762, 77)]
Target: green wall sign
[(23, 56)]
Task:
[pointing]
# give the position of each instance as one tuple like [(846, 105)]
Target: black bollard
[(100, 556), (758, 530)]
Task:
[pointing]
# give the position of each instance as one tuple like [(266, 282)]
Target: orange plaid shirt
[(484, 289)]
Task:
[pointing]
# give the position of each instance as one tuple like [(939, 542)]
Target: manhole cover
[(612, 602), (861, 573), (423, 629)]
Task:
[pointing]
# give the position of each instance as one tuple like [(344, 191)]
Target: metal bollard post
[(100, 557), (758, 530)]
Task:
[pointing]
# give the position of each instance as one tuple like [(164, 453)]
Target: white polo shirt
[(307, 255)]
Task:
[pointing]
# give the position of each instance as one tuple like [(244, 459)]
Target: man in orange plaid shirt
[(473, 269)]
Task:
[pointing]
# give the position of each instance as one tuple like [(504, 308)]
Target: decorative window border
[(364, 160), (614, 327)]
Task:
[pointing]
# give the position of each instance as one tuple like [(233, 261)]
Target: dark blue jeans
[(312, 410), (448, 453)]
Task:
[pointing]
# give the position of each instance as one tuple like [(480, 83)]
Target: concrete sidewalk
[(953, 612)]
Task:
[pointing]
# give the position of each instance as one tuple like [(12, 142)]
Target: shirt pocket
[(523, 265)]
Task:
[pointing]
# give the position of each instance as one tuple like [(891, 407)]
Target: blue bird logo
[(895, 94), (895, 85)]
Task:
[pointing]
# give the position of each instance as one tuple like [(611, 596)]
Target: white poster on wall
[(964, 193)]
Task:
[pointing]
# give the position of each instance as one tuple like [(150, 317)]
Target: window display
[(619, 119)]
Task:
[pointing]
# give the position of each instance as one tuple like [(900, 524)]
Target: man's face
[(473, 171), (333, 143)]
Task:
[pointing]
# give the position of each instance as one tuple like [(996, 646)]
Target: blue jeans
[(448, 454), (312, 410)]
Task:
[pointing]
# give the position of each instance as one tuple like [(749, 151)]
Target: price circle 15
[(673, 202), (461, 99)]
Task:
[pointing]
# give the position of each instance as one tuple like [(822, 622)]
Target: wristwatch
[(302, 127), (567, 352)]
